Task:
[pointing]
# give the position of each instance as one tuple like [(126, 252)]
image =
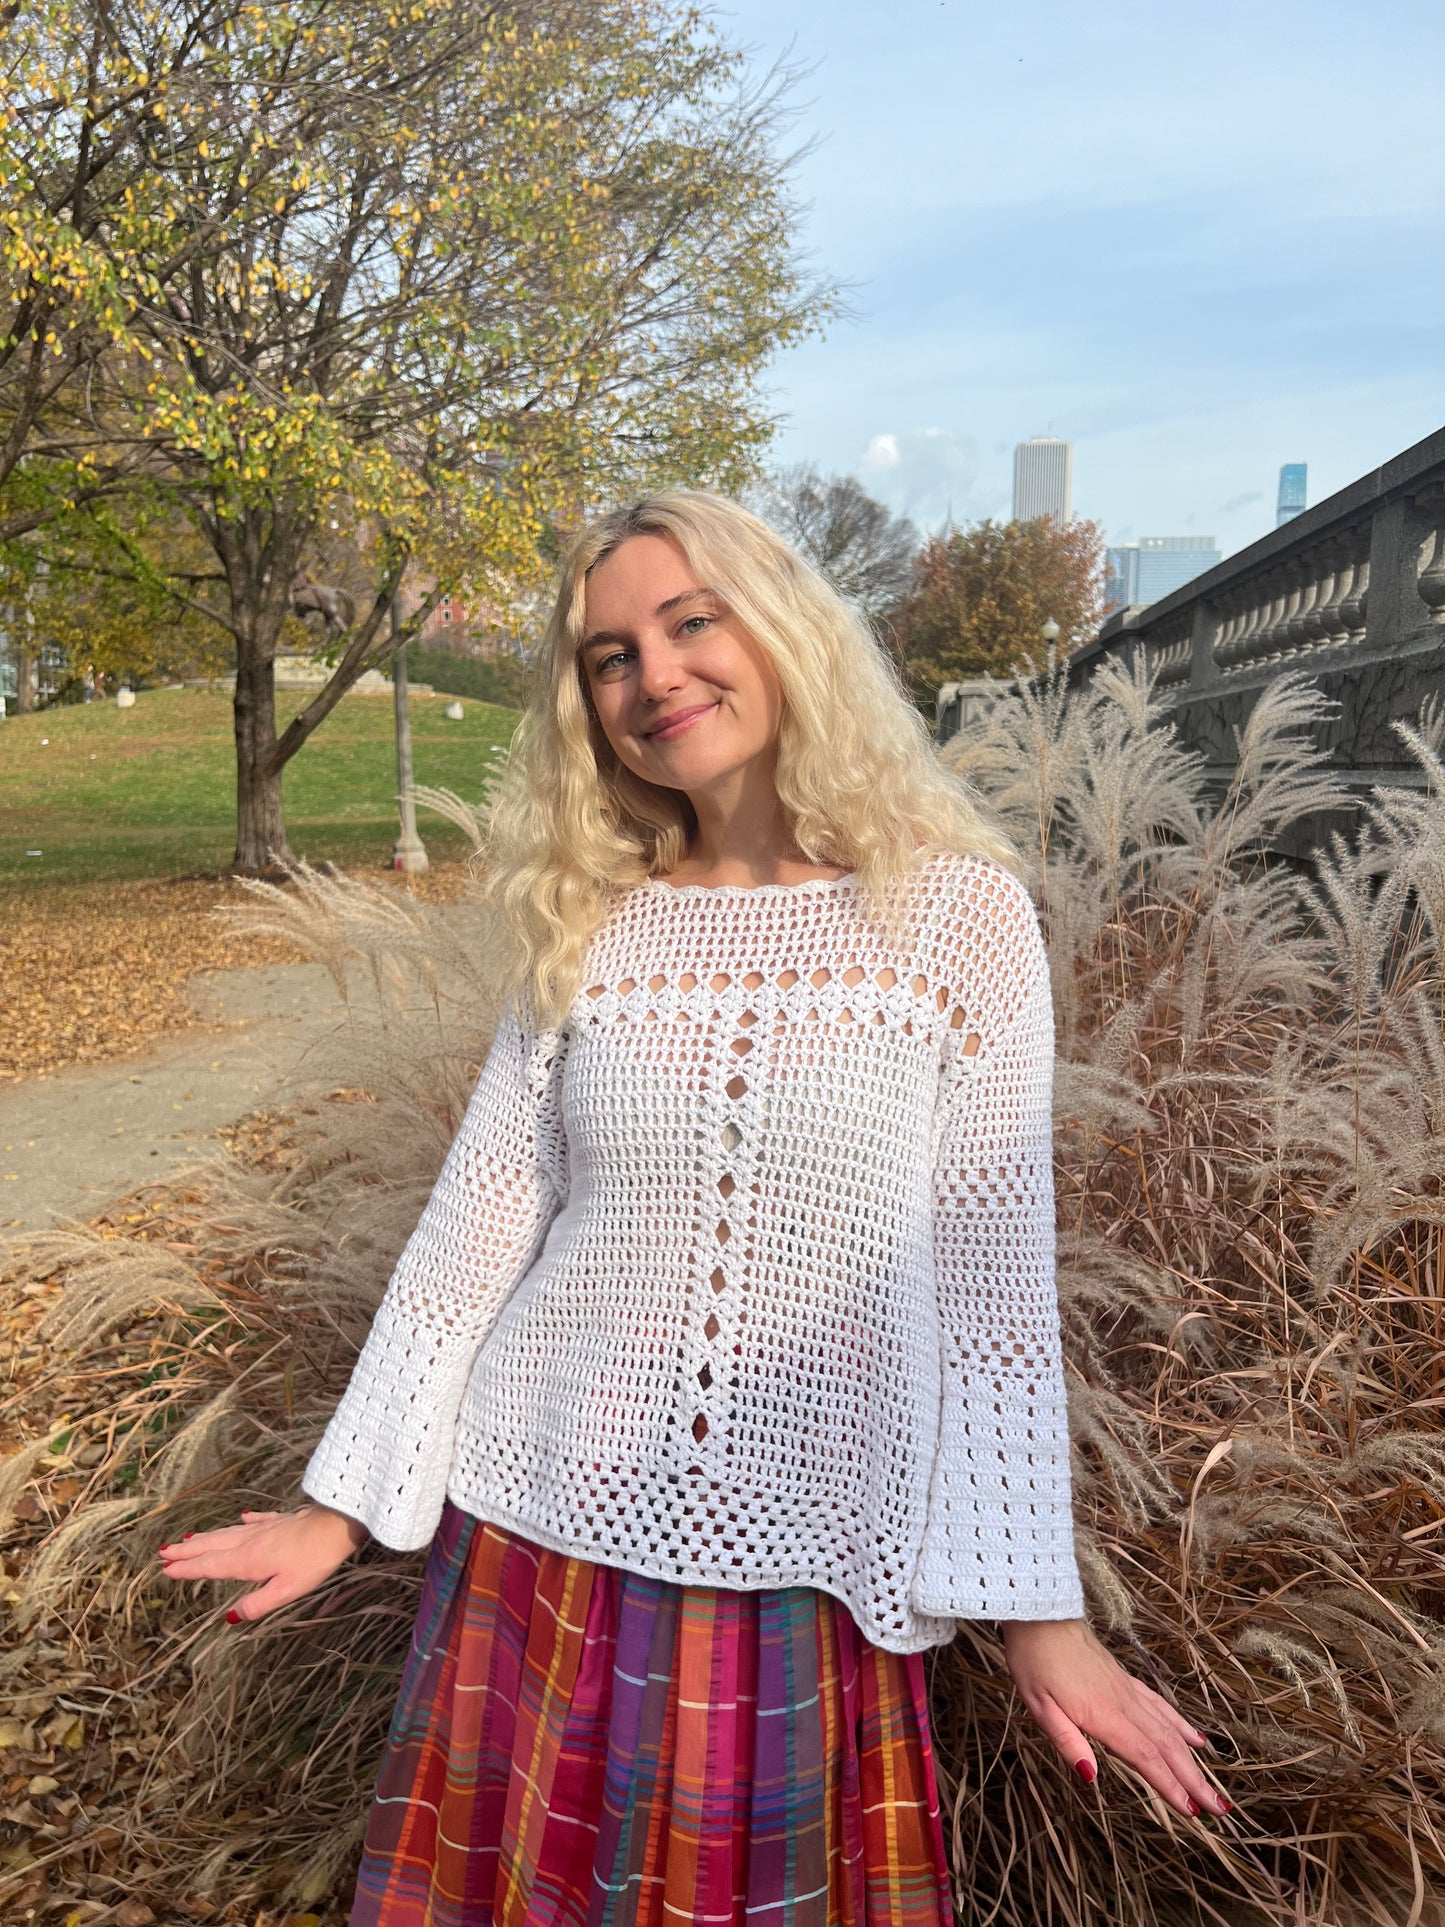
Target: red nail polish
[(165, 1548), (1086, 1770), (233, 1619), (1225, 1806), (1193, 1806), (188, 1535)]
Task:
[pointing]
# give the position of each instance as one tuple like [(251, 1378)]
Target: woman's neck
[(751, 871)]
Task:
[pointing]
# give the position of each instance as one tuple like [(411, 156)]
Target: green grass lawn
[(106, 793)]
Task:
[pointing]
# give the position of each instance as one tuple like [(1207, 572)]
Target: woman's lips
[(680, 723)]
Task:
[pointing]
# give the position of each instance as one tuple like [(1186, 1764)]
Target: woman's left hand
[(1075, 1688)]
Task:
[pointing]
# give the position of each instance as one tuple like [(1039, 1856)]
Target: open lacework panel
[(725, 1024), (994, 1244)]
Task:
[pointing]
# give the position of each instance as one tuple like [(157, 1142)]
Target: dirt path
[(74, 1140)]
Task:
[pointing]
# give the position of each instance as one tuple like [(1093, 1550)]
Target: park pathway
[(75, 1140)]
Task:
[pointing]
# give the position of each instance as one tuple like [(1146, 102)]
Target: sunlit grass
[(108, 794)]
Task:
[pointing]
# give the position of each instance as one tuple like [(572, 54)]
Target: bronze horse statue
[(333, 604)]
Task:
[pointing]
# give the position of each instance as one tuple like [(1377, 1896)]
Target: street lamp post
[(1050, 632), (408, 852)]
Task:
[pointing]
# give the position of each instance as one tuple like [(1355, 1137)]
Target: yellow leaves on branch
[(515, 163)]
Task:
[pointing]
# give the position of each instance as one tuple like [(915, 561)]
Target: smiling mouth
[(677, 724)]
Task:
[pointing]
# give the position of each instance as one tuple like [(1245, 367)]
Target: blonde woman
[(721, 1374)]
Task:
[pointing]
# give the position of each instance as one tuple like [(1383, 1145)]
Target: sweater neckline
[(849, 878)]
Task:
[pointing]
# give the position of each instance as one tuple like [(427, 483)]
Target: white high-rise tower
[(1043, 478)]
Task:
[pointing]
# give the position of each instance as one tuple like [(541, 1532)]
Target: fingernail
[(188, 1535), (1225, 1806), (233, 1618), (1086, 1769), (1193, 1806), (165, 1548)]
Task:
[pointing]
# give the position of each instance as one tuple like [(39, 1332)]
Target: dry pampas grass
[(1249, 1096)]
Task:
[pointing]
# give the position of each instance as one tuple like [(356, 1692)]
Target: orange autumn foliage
[(979, 598)]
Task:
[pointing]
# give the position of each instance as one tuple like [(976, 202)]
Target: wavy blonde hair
[(572, 829)]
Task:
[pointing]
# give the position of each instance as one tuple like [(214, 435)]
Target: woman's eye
[(601, 667), (703, 620)]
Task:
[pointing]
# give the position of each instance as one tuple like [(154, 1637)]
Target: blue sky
[(1196, 242)]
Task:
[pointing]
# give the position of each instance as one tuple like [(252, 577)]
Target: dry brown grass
[(1249, 1097)]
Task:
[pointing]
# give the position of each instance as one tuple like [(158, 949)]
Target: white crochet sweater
[(744, 1275)]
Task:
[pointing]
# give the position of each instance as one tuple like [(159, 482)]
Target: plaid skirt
[(574, 1743)]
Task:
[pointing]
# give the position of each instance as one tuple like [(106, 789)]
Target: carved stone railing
[(1352, 592)]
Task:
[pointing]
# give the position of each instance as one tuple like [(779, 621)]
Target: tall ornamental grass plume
[(1250, 1140), (1248, 1093)]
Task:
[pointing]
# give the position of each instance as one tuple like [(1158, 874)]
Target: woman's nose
[(658, 672)]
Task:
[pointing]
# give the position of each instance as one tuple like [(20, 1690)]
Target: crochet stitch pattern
[(744, 1275)]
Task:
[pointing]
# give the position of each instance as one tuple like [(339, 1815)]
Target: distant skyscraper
[(1156, 565), (1291, 492), (1121, 572), (1043, 478)]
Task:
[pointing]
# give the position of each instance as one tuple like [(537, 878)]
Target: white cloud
[(929, 474)]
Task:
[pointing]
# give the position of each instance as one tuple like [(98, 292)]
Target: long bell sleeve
[(999, 1538), (385, 1456)]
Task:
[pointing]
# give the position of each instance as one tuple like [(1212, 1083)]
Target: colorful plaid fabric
[(575, 1743)]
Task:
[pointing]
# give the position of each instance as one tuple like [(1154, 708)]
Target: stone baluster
[(1231, 646), (1295, 602), (1299, 628), (1224, 642), (1317, 624), (1266, 639), (1244, 645), (1284, 613), (1255, 624), (1331, 619), (1352, 611), (1258, 633), (1169, 655)]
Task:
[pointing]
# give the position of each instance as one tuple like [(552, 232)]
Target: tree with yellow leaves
[(96, 118), (451, 272)]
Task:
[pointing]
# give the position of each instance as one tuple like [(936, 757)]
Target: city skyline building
[(1043, 478), (1292, 487), (1155, 566)]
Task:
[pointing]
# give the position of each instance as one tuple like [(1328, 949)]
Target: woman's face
[(684, 694)]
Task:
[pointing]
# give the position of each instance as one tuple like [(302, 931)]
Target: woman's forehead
[(639, 576)]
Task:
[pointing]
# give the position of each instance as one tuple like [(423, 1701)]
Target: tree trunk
[(259, 555), (24, 680), (261, 841)]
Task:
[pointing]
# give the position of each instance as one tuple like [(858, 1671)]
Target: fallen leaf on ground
[(95, 971)]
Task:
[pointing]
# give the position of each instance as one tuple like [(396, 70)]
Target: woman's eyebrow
[(662, 609)]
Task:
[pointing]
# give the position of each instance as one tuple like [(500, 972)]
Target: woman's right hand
[(291, 1553)]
